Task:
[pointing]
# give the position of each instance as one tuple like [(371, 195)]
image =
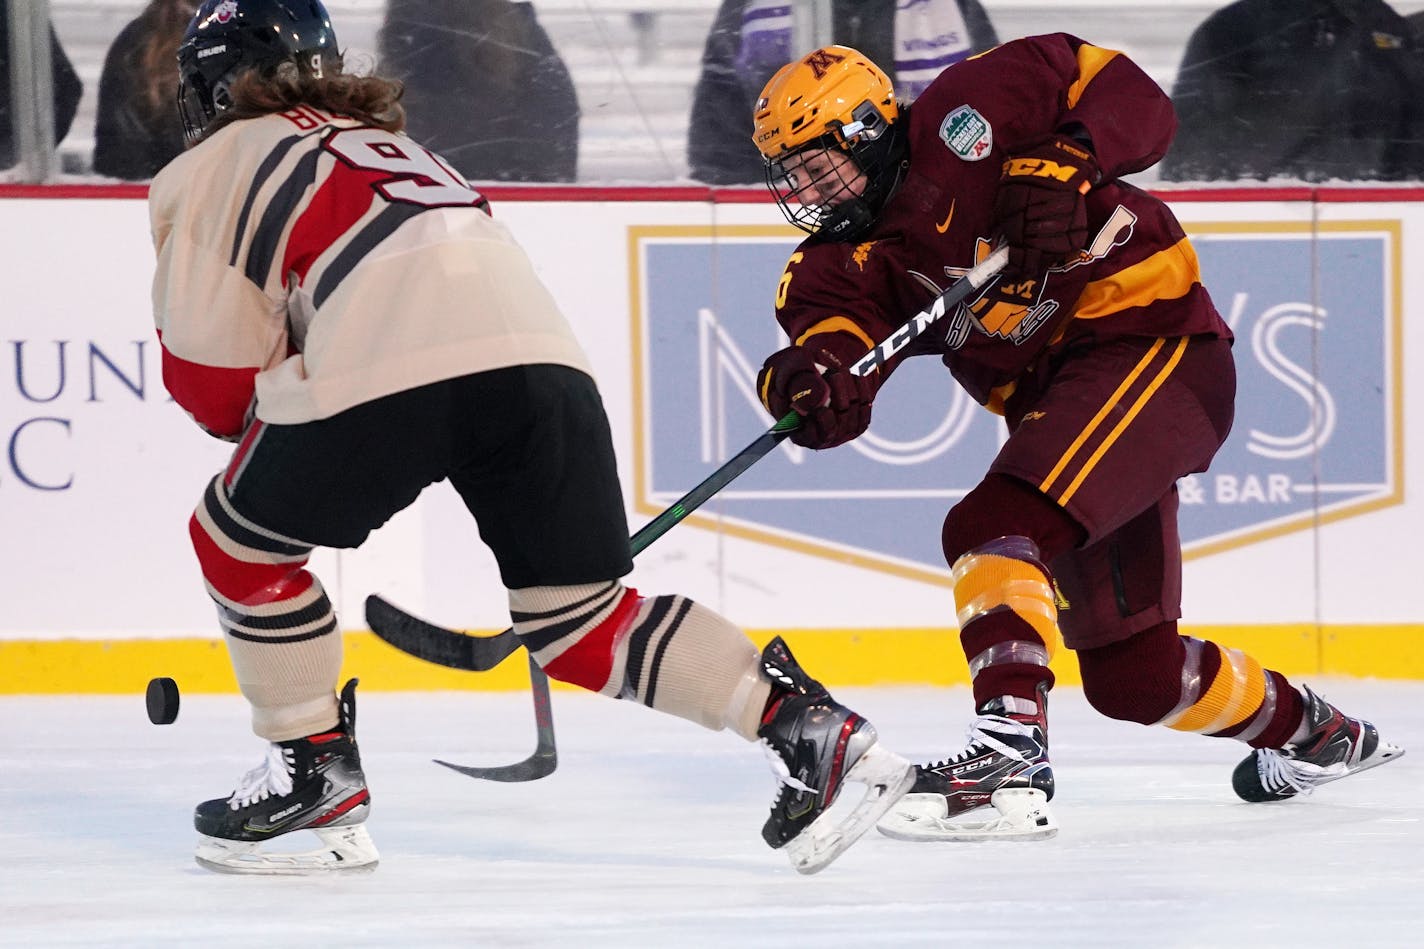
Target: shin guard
[(666, 652), (279, 625), (1008, 618)]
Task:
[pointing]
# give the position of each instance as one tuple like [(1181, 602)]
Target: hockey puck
[(162, 698)]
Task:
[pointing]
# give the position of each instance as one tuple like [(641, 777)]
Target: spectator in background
[(136, 131), (67, 90), (751, 39), (484, 87), (1309, 89)]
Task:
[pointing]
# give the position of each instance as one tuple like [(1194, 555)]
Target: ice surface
[(648, 835)]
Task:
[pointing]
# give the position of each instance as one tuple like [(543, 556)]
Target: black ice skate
[(997, 788), (816, 745), (1336, 746), (313, 783)]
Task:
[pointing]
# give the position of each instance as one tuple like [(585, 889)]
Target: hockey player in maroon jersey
[(1103, 352), (340, 303)]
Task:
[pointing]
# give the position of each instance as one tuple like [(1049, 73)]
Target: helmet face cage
[(831, 186), (226, 37)]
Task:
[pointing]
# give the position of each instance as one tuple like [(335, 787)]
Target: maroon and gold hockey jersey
[(1138, 276)]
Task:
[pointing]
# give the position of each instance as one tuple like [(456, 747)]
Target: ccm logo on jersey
[(967, 133)]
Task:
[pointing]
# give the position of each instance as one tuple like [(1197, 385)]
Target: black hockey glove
[(1039, 209)]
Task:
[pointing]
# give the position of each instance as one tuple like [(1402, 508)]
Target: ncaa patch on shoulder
[(967, 133)]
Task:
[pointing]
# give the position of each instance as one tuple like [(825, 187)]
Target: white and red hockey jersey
[(313, 264)]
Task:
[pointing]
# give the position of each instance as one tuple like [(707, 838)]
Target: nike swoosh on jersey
[(948, 217)]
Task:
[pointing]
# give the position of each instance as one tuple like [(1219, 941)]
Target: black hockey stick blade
[(545, 757), (444, 647)]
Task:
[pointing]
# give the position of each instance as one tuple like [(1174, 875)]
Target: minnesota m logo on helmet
[(821, 61)]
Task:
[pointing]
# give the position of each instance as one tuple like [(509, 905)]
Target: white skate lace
[(1278, 772), (781, 771), (979, 735), (272, 777)]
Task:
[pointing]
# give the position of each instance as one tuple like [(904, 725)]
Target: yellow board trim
[(842, 657)]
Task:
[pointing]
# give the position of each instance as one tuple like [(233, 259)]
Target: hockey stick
[(458, 650), (481, 653), (545, 757), (477, 654)]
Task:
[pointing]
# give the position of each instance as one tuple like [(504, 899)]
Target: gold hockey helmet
[(824, 125), (824, 92)]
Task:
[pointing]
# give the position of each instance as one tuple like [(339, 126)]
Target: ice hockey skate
[(816, 745), (997, 788), (1336, 747), (313, 783)]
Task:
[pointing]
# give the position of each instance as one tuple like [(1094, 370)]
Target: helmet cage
[(838, 211)]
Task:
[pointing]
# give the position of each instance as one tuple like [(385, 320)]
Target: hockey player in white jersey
[(339, 302)]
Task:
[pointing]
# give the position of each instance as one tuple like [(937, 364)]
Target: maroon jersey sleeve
[(834, 292), (1035, 86)]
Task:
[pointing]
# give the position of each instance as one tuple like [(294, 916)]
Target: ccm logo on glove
[(1039, 209)]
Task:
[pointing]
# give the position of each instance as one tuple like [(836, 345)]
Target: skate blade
[(887, 777), (343, 848), (1385, 752), (1018, 814)]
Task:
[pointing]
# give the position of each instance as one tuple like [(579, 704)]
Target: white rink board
[(97, 480)]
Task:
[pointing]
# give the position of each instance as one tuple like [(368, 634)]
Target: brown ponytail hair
[(370, 100)]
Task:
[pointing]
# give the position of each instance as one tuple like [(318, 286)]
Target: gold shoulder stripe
[(1166, 275), (1091, 60), (837, 324)]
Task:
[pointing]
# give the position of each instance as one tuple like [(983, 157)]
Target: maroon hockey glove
[(814, 380), (1039, 209)]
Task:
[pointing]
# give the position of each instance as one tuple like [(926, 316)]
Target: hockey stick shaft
[(459, 650)]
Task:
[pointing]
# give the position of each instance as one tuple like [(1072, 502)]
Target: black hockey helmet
[(227, 37)]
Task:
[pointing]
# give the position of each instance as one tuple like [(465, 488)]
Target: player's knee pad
[(1136, 680), (1002, 506), (1005, 575), (241, 561), (256, 576)]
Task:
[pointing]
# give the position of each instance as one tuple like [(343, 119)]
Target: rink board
[(1295, 538)]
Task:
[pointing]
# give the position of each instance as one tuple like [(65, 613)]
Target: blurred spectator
[(67, 90), (137, 131), (1308, 89), (751, 39), (484, 87)]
